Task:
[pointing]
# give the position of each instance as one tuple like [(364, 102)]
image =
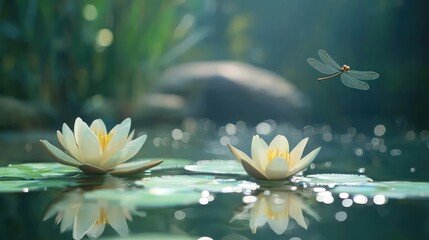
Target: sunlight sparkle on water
[(263, 128), (249, 199), (360, 199), (230, 129), (341, 216), (379, 199), (395, 152), (358, 151), (205, 238), (176, 134), (344, 195), (179, 215), (410, 135), (379, 130), (325, 197), (347, 202)]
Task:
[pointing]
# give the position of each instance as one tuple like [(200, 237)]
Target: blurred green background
[(59, 57)]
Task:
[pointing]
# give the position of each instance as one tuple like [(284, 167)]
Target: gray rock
[(225, 91), (17, 114)]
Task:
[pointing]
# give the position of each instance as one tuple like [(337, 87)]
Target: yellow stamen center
[(275, 215), (103, 217), (273, 153), (103, 138)]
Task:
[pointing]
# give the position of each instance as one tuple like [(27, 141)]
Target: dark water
[(268, 212)]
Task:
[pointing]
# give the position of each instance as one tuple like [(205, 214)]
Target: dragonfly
[(350, 78)]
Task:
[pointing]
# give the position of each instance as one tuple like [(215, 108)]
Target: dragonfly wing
[(352, 82), (321, 67), (363, 75), (328, 60)]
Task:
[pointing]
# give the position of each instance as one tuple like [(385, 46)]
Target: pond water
[(366, 184)]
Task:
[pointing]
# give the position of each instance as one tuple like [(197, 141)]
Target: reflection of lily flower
[(89, 217), (276, 208), (95, 151), (274, 162)]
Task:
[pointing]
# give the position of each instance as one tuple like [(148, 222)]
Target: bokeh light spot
[(104, 37), (89, 12), (379, 130), (341, 216)]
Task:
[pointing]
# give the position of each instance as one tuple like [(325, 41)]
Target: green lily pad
[(32, 185), (36, 170), (172, 163), (217, 167), (197, 183), (153, 236), (390, 189), (145, 197), (331, 179)]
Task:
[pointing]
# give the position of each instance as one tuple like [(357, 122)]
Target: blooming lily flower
[(94, 151), (276, 209), (274, 162), (89, 216)]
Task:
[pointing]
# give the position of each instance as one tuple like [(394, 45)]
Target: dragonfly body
[(350, 78)]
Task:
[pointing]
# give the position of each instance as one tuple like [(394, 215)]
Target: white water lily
[(274, 162), (276, 209), (89, 217), (96, 151)]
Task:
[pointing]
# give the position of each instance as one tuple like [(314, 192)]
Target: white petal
[(77, 124), (59, 155), (134, 167), (70, 142), (49, 213), (96, 230), (259, 152), (239, 155), (277, 169), (85, 219), (90, 148), (68, 218), (295, 211), (129, 151), (296, 153), (115, 129), (301, 165), (130, 137), (258, 214), (279, 226), (92, 170), (61, 139), (119, 139), (117, 220), (253, 170), (280, 143), (249, 165), (98, 126)]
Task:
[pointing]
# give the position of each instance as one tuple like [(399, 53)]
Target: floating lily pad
[(152, 236), (217, 167), (32, 185), (391, 189), (145, 197), (36, 170), (331, 179), (197, 183), (172, 163)]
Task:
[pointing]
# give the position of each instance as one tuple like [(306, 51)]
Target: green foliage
[(52, 54)]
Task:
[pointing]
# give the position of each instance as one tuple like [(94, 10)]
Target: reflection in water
[(89, 216), (275, 208)]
